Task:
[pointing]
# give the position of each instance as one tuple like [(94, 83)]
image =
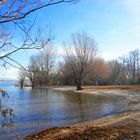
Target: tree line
[(81, 65)]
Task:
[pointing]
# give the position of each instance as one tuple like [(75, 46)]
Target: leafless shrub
[(6, 111)]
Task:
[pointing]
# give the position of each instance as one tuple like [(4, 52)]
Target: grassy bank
[(127, 87)]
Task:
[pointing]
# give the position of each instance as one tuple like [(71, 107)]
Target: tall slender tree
[(79, 52)]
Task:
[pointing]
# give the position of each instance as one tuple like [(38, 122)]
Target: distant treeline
[(81, 65)]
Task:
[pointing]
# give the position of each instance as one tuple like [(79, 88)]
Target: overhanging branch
[(5, 19)]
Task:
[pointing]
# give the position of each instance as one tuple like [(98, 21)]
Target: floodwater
[(41, 108)]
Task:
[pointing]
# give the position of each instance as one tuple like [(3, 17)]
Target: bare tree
[(79, 53), (124, 72), (21, 78), (131, 66), (65, 74), (41, 66), (114, 77), (33, 71), (48, 56)]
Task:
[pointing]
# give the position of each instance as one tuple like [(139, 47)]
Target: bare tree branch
[(20, 12)]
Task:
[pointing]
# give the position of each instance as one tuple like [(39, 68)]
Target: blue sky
[(115, 25)]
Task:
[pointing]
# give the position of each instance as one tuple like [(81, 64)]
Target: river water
[(41, 108)]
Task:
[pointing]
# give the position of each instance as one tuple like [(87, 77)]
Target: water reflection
[(40, 108)]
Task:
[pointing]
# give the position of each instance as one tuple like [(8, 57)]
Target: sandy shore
[(125, 125), (63, 88)]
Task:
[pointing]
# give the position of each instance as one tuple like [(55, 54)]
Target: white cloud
[(110, 55), (9, 73)]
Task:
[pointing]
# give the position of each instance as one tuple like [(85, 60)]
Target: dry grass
[(123, 132), (135, 88)]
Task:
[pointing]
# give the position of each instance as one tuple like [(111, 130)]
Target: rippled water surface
[(40, 108)]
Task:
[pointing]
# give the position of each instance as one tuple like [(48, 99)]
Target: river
[(38, 109)]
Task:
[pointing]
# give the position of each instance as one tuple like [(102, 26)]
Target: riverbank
[(62, 88), (88, 89), (132, 94), (127, 87), (125, 125), (118, 127)]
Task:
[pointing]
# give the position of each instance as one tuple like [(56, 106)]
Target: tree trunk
[(78, 85), (21, 84), (33, 85)]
